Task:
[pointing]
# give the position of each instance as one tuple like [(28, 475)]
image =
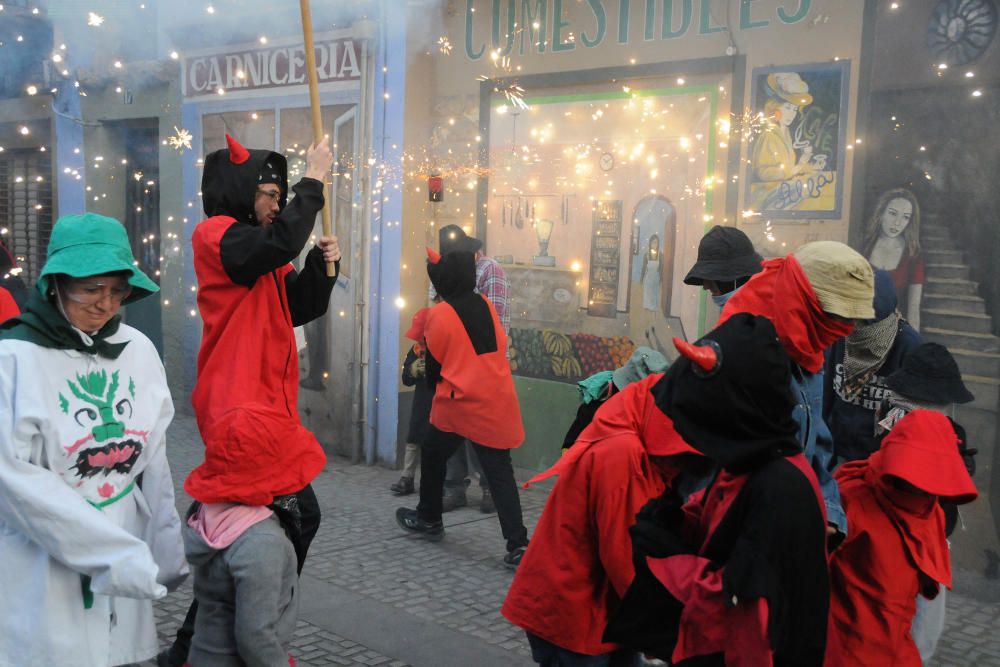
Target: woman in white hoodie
[(89, 535)]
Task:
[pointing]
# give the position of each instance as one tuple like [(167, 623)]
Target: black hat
[(729, 394), (929, 374), (725, 254), (452, 238)]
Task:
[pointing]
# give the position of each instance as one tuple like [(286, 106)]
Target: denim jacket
[(816, 440)]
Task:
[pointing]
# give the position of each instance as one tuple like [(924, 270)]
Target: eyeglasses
[(273, 195), (90, 293)]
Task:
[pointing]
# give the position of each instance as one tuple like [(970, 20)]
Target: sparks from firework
[(511, 90), (748, 124), (181, 139), (94, 20), (444, 45)]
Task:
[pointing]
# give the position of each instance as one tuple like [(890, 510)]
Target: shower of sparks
[(444, 46), (512, 91), (94, 20), (748, 124), (181, 139)]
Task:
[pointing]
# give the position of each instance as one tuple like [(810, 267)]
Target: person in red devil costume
[(897, 546), (250, 297), (579, 564), (474, 399), (737, 575)]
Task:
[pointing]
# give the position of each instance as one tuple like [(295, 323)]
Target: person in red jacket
[(897, 546), (579, 564), (250, 297), (474, 399)]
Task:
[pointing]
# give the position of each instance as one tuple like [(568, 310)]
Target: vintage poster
[(797, 129)]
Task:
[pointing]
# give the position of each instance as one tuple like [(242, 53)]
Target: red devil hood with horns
[(249, 296)]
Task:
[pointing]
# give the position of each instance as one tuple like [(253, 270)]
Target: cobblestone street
[(373, 596)]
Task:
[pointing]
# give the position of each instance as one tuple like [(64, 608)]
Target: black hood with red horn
[(231, 175), (729, 394)]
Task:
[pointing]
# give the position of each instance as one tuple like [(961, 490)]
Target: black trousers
[(498, 470), (310, 517)]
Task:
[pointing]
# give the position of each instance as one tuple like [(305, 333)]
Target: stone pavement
[(374, 596)]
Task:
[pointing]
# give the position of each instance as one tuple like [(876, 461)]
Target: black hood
[(740, 413), (454, 275), (230, 189)]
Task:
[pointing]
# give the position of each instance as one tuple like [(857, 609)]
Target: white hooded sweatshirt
[(85, 544)]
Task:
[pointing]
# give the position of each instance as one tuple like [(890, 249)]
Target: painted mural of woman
[(892, 243), (781, 160), (650, 276)]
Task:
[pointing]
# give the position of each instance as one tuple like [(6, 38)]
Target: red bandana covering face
[(782, 294)]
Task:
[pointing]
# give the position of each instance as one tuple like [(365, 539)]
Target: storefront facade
[(590, 145)]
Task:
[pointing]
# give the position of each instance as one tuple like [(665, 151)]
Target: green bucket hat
[(93, 245)]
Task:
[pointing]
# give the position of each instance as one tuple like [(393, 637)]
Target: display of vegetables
[(553, 355)]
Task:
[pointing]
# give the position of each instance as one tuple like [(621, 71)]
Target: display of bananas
[(556, 343)]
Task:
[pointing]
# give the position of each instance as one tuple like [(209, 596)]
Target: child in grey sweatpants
[(245, 583)]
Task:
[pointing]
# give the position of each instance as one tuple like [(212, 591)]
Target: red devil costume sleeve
[(249, 296), (897, 546), (467, 359)]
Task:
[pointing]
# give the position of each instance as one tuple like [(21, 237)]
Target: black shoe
[(411, 523), (513, 558), (452, 501), (403, 487), (486, 505), (165, 659)]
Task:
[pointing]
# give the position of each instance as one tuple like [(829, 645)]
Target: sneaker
[(513, 558), (403, 487), (454, 500), (487, 506), (410, 522)]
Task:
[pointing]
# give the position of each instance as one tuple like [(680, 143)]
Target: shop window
[(26, 207), (595, 199)]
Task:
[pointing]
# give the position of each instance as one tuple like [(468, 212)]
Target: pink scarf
[(220, 524)]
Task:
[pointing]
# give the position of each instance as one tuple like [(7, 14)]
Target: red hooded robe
[(897, 546), (579, 563)]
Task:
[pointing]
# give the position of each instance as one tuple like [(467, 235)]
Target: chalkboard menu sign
[(605, 260)]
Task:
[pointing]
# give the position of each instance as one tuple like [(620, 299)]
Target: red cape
[(475, 396), (782, 293)]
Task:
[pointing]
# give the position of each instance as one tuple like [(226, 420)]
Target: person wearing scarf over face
[(813, 297), (579, 564), (737, 575), (474, 399), (89, 534), (854, 378), (897, 546)]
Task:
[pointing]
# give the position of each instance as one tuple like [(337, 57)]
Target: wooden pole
[(317, 116)]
